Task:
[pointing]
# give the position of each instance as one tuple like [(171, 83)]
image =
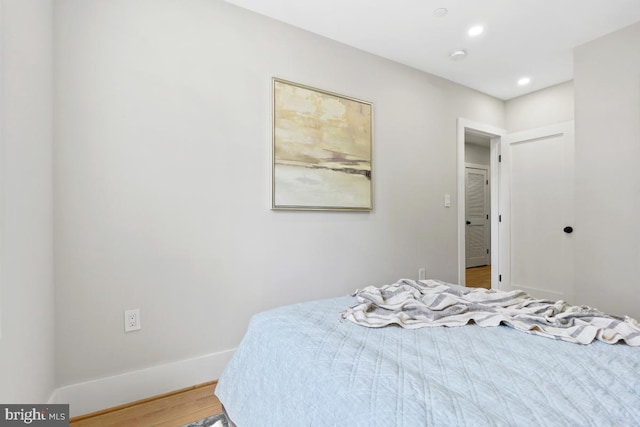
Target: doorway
[(478, 151), (531, 219), (477, 210)]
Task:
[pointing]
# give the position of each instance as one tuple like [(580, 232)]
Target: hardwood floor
[(168, 410), (478, 277)]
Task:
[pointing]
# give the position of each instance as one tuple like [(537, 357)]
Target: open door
[(536, 209)]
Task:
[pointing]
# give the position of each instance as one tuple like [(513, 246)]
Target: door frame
[(496, 134)]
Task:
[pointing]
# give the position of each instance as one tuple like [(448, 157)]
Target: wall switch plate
[(447, 200), (131, 320), (422, 274)]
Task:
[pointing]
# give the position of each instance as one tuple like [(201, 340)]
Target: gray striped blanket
[(417, 304)]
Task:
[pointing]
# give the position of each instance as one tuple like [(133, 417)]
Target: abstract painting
[(322, 149)]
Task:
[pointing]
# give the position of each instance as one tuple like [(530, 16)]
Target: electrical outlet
[(422, 274), (131, 320)]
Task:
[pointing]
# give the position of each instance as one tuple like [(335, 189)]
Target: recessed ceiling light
[(475, 31), (440, 12), (457, 54), (524, 81)]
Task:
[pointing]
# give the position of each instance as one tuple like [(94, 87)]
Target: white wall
[(478, 154), (607, 99), (541, 108), (162, 178), (26, 231)]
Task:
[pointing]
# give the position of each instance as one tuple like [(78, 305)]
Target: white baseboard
[(103, 393)]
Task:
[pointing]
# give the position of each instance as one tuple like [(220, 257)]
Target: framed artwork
[(322, 150)]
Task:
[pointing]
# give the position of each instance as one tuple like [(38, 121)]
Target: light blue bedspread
[(301, 365)]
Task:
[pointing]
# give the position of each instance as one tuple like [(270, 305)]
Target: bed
[(305, 365)]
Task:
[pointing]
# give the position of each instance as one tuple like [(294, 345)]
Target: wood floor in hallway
[(479, 277)]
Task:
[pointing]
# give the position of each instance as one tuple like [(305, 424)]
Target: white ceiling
[(532, 38)]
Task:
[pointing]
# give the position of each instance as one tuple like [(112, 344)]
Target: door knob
[(468, 222), (568, 230)]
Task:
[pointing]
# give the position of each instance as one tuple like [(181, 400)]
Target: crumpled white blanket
[(427, 303)]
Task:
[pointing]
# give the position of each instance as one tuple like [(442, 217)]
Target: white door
[(477, 217), (537, 208)]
